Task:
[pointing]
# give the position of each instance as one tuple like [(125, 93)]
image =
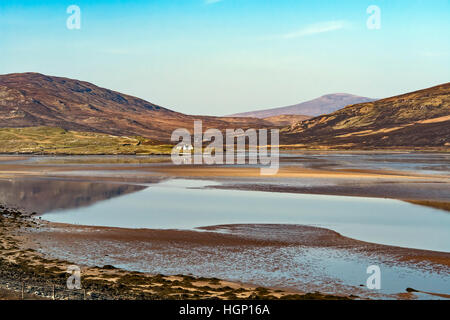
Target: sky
[(219, 57)]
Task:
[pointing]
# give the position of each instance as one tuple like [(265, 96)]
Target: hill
[(33, 99), (286, 119), (417, 119), (322, 105)]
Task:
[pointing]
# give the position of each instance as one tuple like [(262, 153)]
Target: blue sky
[(222, 57)]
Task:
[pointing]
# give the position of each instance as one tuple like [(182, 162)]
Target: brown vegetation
[(417, 119)]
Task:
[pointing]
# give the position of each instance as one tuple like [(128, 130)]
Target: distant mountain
[(33, 99), (322, 105), (417, 119)]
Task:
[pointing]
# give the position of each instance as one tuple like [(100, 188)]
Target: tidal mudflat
[(315, 226), (188, 204)]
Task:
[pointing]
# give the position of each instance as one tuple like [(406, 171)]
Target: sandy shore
[(428, 194)]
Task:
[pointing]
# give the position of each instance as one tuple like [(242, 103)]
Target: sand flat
[(224, 250)]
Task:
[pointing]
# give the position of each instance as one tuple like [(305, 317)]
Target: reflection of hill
[(39, 195)]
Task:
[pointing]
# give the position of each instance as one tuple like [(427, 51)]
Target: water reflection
[(47, 195)]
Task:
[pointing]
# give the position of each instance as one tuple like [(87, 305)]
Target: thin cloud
[(432, 54), (212, 1), (316, 28)]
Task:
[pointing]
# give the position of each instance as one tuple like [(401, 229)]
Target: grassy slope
[(48, 140)]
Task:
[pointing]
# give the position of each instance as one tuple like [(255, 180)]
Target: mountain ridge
[(322, 105), (416, 119)]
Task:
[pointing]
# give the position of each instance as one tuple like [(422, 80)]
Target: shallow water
[(419, 163), (306, 269), (183, 204)]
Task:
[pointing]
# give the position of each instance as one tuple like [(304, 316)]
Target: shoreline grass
[(57, 141)]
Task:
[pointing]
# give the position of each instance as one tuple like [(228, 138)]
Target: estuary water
[(187, 204)]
